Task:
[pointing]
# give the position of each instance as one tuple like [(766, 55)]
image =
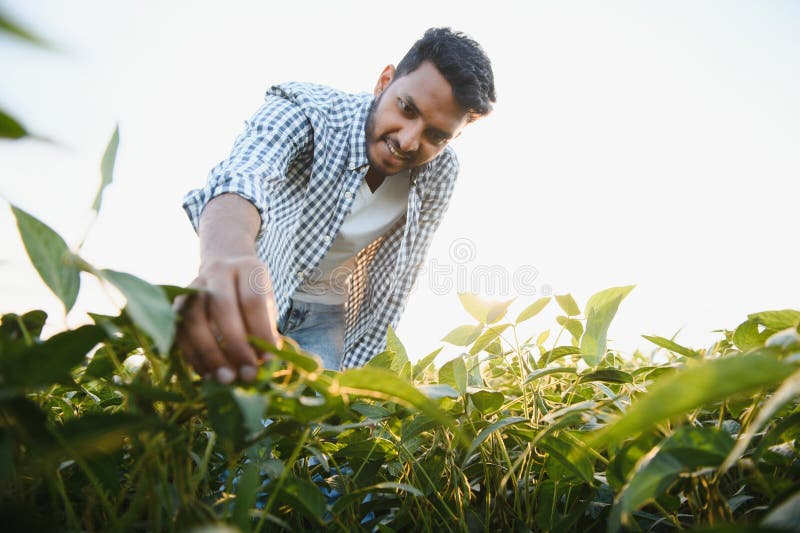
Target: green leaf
[(252, 405), (487, 401), (26, 327), (382, 360), (437, 391), (51, 361), (685, 450), (384, 385), (147, 306), (14, 29), (559, 352), (107, 168), (484, 311), (487, 337), (600, 311), (148, 392), (607, 375), (101, 365), (488, 430), (563, 463), (388, 487), (393, 343), (785, 516), (173, 291), (542, 338), (705, 382), (463, 335), (540, 373), (624, 459), (246, 492), (425, 362), (672, 346), (102, 433), (788, 390), (50, 256), (307, 362), (225, 416), (568, 304), (302, 496), (747, 337), (375, 449), (574, 327), (532, 310), (10, 128), (369, 410), (454, 373), (777, 320)]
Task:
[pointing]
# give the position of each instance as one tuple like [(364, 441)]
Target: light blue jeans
[(317, 328)]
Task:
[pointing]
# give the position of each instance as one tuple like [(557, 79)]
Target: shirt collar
[(358, 137)]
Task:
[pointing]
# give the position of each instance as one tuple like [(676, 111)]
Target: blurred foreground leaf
[(16, 30), (50, 361), (10, 128), (50, 256), (705, 382), (147, 306)]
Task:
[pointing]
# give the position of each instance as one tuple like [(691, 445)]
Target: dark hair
[(461, 61)]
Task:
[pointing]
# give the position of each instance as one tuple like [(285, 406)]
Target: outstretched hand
[(234, 298)]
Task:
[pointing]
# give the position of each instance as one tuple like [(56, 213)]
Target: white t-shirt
[(371, 215)]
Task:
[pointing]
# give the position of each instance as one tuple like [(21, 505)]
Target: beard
[(369, 128)]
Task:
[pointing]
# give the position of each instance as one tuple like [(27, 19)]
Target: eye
[(405, 108), (438, 138)]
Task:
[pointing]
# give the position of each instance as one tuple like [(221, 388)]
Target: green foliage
[(147, 307), (10, 128), (50, 256), (107, 168), (104, 427), (107, 435)]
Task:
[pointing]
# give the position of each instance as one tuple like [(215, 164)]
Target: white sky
[(648, 143)]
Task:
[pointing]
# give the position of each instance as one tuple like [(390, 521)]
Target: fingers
[(258, 307), (197, 339), (235, 300), (223, 311)]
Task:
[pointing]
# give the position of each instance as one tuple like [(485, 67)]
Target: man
[(317, 223)]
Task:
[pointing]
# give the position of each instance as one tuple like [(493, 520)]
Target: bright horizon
[(651, 144)]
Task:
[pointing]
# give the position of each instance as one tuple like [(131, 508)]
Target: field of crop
[(105, 428), (534, 427)]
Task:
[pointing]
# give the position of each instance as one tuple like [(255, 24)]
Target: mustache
[(396, 147)]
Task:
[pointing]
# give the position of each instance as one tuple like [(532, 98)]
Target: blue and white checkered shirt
[(300, 161)]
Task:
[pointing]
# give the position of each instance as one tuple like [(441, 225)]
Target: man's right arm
[(230, 305), (229, 213)]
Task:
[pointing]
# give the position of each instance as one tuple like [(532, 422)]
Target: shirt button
[(348, 195), (327, 238), (301, 275)]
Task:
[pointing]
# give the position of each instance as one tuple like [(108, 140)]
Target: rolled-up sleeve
[(272, 138)]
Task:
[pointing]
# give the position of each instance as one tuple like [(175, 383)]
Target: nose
[(408, 138)]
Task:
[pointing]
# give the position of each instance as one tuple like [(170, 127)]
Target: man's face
[(411, 120)]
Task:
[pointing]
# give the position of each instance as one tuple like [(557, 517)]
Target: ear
[(384, 79)]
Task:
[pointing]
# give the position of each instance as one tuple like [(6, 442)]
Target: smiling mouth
[(395, 153)]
